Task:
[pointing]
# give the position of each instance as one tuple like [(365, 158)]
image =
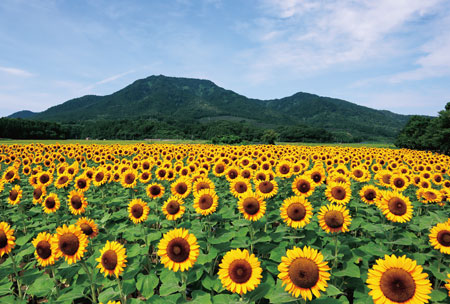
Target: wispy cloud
[(109, 79), (15, 72), (308, 35)]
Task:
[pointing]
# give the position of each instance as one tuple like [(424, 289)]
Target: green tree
[(269, 137)]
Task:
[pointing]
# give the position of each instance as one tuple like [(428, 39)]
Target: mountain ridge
[(199, 99)]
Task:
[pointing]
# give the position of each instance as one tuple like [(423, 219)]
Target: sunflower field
[(223, 224)]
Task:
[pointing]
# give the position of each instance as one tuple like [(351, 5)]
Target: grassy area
[(177, 141)]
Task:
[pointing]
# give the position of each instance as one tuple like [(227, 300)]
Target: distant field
[(179, 141)]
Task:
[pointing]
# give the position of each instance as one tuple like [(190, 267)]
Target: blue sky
[(383, 54)]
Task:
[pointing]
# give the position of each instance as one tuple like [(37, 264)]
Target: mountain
[(23, 114), (202, 100)]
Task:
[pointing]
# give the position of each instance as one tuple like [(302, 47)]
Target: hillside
[(202, 100)]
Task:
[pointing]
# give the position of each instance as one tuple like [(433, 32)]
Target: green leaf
[(333, 290), (225, 299), (24, 239), (201, 297), (108, 295), (129, 286), (146, 284), (438, 295), (350, 270), (260, 292), (76, 293), (5, 288), (42, 286)]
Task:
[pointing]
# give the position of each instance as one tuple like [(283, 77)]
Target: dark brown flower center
[(129, 178), (232, 174), (266, 187), (99, 176), (68, 243), (81, 183), (109, 259), (219, 168), (44, 178), (334, 219), (304, 273), (155, 190), (37, 193), (62, 180), (399, 183), (430, 195), (43, 249), (201, 186), (3, 239), (9, 175), (173, 207), (137, 211), (338, 192), (370, 194), (181, 188), (13, 194), (145, 175), (397, 285), (443, 237), (316, 177), (87, 229), (245, 174), (284, 169), (50, 203), (162, 173), (358, 173), (178, 250), (386, 179), (260, 176), (240, 187), (303, 186), (397, 206), (240, 271), (205, 201), (75, 201), (251, 205), (296, 211)]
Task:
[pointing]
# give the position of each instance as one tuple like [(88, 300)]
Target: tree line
[(427, 133)]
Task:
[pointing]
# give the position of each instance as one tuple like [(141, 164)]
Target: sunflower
[(173, 208), (267, 189), (62, 181), (38, 194), (303, 186), (232, 173), (440, 237), (10, 174), (398, 280), (88, 226), (70, 242), (7, 239), (206, 201), (15, 195), (51, 203), (296, 211), (396, 207), (178, 249), (181, 187), (369, 194), (317, 175), (44, 178), (77, 202), (82, 183), (43, 252), (138, 210), (334, 218), (112, 259), (429, 195), (383, 177), (161, 173), (240, 271), (252, 206), (100, 177), (129, 178), (155, 190), (284, 169), (202, 183), (398, 182), (304, 272), (219, 169), (360, 174), (145, 177), (338, 193), (239, 186)]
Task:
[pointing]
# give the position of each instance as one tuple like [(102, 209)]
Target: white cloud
[(108, 80), (15, 72), (307, 35)]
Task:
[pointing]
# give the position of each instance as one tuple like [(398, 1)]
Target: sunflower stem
[(19, 285), (250, 229), (437, 282), (89, 274), (123, 298), (336, 250), (184, 285), (52, 268)]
